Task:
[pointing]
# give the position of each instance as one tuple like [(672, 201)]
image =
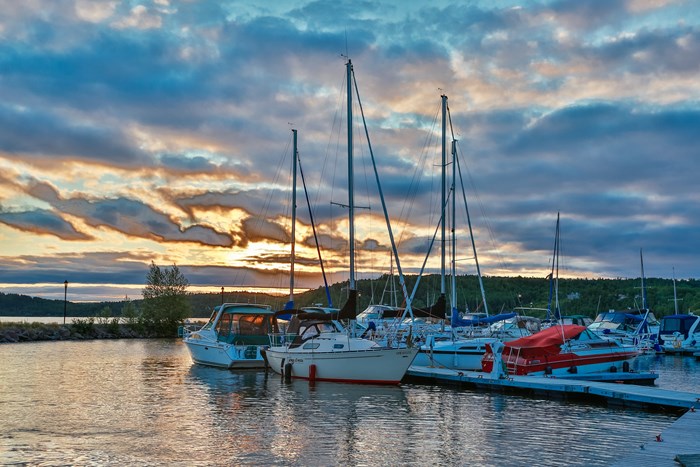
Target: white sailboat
[(314, 349)]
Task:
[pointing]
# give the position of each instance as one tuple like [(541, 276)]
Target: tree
[(165, 302)]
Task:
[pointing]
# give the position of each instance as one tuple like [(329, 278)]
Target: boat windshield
[(671, 325), (212, 319), (243, 324)]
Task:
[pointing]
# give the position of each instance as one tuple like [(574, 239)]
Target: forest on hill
[(526, 294)]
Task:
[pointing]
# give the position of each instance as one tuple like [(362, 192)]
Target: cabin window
[(223, 327), (338, 346), (311, 345), (310, 332), (251, 325)]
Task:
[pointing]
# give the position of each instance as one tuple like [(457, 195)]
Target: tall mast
[(675, 297), (444, 183), (644, 289), (557, 311), (453, 272), (351, 193), (294, 219)]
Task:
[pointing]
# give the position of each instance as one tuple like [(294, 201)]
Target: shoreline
[(17, 332)]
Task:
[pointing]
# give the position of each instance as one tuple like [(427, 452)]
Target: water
[(39, 319), (142, 402)]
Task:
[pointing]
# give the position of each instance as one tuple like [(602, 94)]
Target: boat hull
[(566, 363), (371, 366), (224, 355), (455, 355)]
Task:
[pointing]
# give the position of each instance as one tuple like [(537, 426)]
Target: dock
[(676, 446), (614, 393)]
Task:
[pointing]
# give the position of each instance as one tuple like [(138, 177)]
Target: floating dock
[(676, 446), (613, 393)]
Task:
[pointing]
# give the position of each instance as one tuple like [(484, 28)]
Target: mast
[(554, 277), (351, 194), (290, 304), (469, 224), (453, 272), (557, 311), (675, 297), (644, 289), (444, 188)]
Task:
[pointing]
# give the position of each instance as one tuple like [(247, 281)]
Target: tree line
[(166, 301)]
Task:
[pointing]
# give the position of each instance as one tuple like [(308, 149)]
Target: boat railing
[(185, 329), (281, 338)]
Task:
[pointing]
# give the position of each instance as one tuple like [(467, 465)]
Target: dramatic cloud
[(139, 131)]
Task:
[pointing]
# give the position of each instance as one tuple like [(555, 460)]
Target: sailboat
[(450, 350), (639, 327), (313, 349)]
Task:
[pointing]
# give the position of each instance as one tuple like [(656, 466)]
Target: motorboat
[(561, 350), (638, 327), (465, 353), (680, 333), (233, 336)]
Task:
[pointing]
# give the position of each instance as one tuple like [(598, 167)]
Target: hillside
[(576, 296)]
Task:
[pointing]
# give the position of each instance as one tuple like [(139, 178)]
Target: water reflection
[(143, 402)]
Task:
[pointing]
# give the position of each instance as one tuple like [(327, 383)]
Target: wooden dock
[(611, 392), (678, 445)]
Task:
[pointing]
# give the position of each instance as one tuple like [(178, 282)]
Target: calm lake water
[(143, 402)]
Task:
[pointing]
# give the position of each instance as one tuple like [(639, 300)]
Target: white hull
[(457, 355), (376, 365), (583, 368), (225, 355)]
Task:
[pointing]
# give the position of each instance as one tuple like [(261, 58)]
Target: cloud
[(130, 217), (44, 223)]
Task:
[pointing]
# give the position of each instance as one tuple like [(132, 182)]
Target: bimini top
[(681, 317)]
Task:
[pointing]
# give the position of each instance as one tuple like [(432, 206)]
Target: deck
[(613, 393), (676, 445)]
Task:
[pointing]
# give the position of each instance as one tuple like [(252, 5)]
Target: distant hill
[(576, 296)]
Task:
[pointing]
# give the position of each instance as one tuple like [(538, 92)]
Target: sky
[(159, 131)]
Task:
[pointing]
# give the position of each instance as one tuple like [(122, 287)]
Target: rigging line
[(430, 246), (414, 186), (402, 281), (313, 227), (471, 235), (268, 200), (486, 220), (335, 131), (469, 222)]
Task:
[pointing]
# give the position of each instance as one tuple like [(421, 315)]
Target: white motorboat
[(680, 333), (233, 336), (465, 353)]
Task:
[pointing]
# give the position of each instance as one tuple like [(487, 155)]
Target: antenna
[(347, 54)]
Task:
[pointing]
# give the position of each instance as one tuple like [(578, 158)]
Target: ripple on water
[(142, 402)]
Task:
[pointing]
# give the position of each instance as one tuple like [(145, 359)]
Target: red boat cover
[(547, 341)]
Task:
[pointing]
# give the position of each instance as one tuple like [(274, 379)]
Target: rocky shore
[(31, 332)]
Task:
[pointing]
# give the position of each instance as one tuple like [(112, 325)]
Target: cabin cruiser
[(636, 327), (561, 350), (680, 333), (233, 336)]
